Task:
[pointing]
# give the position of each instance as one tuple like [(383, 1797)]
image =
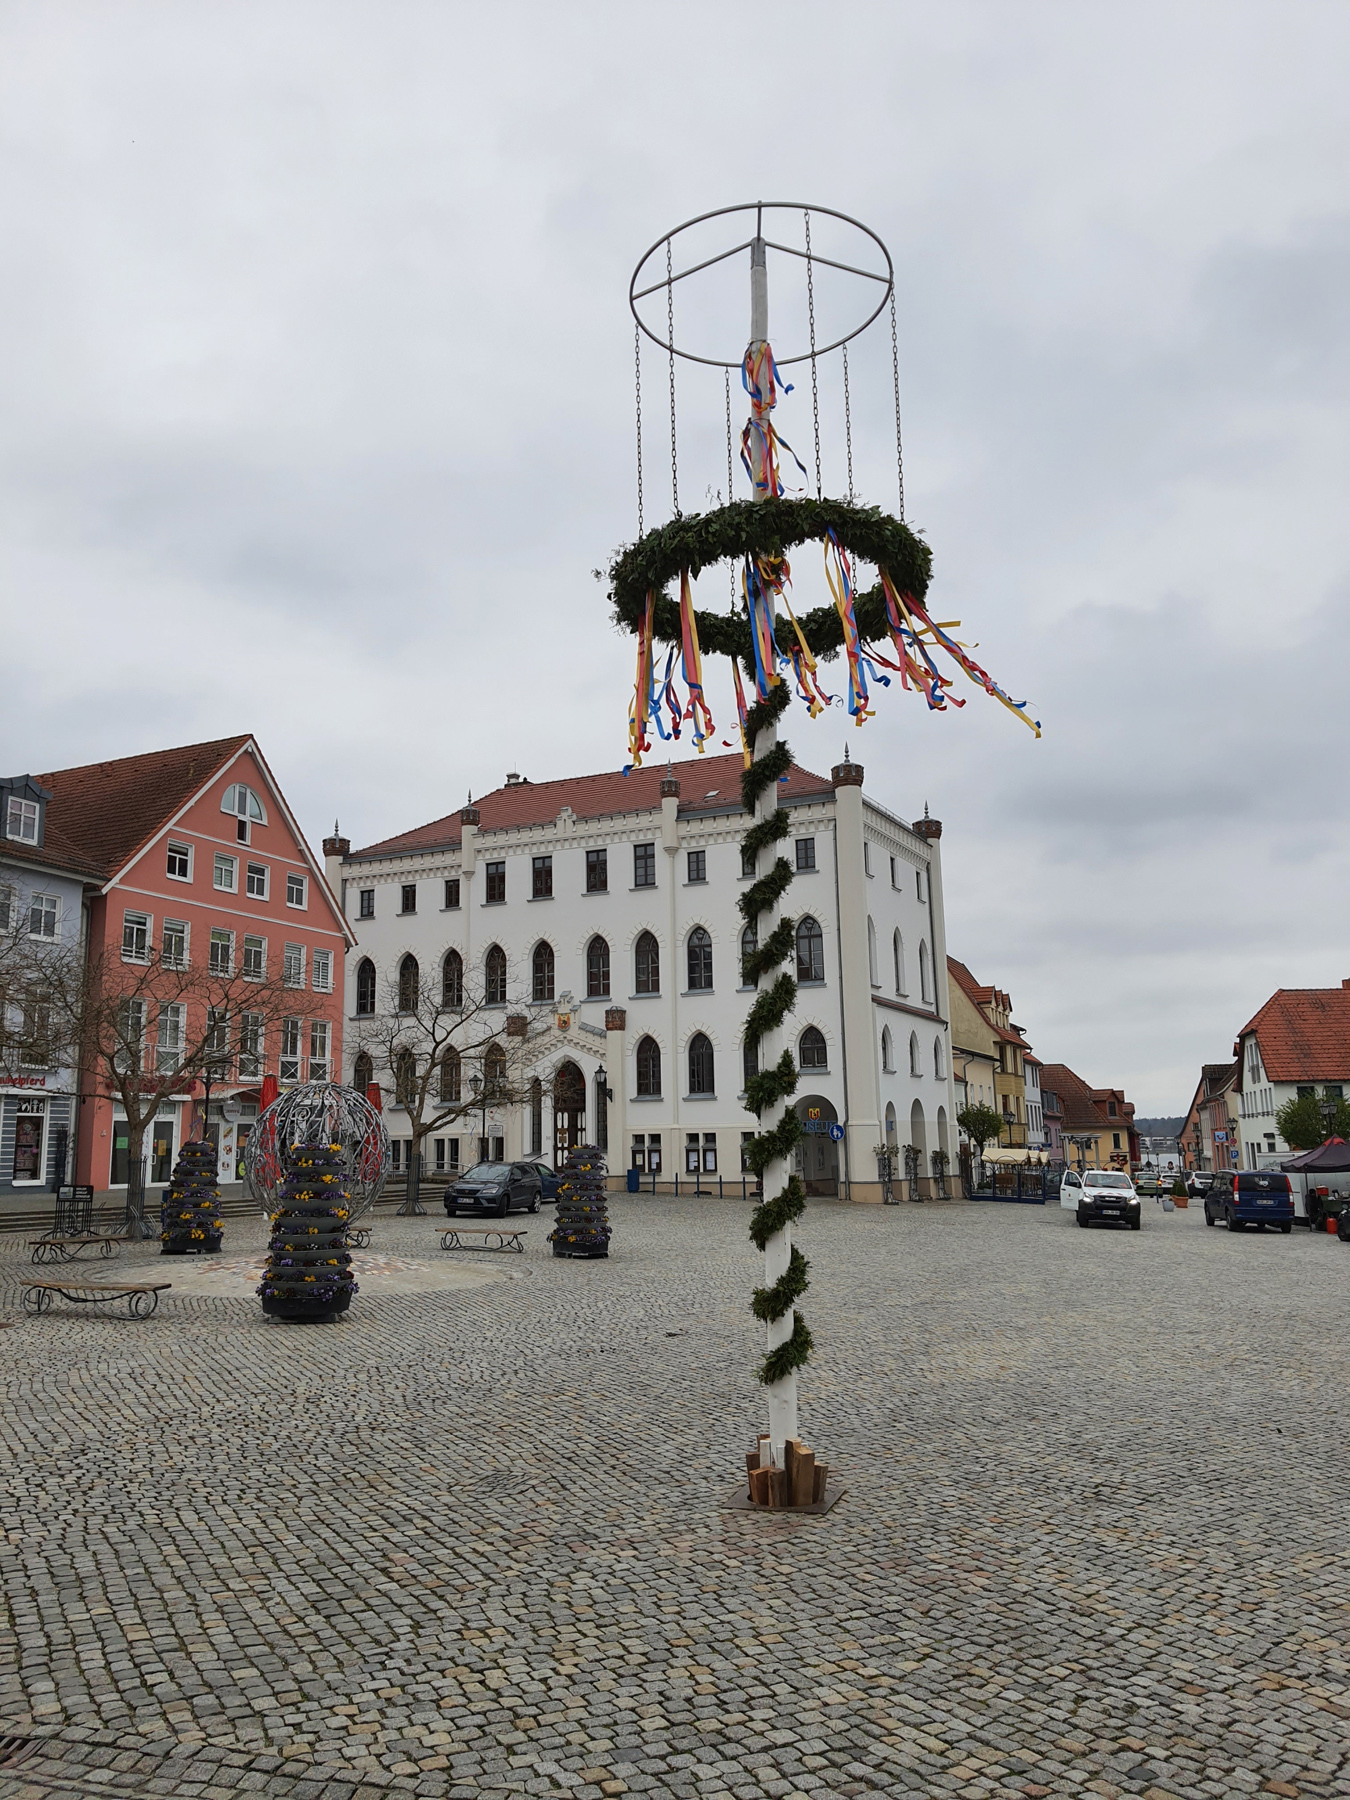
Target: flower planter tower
[(581, 1226), (887, 626), (189, 1215), (309, 1268)]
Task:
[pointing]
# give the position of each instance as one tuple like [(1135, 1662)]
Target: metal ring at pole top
[(759, 208)]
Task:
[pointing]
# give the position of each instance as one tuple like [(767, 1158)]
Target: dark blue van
[(1242, 1197)]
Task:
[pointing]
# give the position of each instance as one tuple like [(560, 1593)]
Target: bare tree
[(36, 978), (444, 1048), (148, 1024)]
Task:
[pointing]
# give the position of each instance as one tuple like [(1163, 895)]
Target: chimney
[(512, 778)]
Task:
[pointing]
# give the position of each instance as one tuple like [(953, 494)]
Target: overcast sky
[(317, 413)]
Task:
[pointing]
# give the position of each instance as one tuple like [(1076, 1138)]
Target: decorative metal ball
[(318, 1110)]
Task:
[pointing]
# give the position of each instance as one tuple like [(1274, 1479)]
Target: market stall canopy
[(1331, 1158), (1016, 1156)]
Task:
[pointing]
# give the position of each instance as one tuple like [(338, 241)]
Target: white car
[(1106, 1194)]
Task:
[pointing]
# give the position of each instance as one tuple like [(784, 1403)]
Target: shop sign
[(26, 1081), (32, 1106)]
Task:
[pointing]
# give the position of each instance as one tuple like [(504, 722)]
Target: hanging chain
[(670, 339), (848, 427), (637, 389), (895, 371), (811, 313), (726, 383)]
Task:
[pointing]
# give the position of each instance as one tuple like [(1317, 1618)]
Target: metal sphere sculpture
[(319, 1112)]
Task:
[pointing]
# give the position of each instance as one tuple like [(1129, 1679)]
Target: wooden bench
[(507, 1239), (69, 1249), (142, 1297)]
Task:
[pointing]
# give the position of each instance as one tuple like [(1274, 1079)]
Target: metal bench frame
[(507, 1239), (69, 1249), (142, 1298)]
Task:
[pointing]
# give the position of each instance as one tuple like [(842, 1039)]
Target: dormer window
[(247, 808), (21, 820)]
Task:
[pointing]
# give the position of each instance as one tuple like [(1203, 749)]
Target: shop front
[(159, 1147), (34, 1138)]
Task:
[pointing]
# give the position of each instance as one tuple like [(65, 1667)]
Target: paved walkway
[(469, 1543)]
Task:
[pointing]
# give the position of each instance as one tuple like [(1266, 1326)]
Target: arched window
[(925, 971), (700, 960), (452, 980), (450, 1074), (915, 1055), (494, 1072), (939, 1067), (542, 971), (243, 803), (887, 1050), (536, 1117), (597, 969), (648, 1066), (409, 983), (363, 1073), (749, 945), (647, 965), (749, 1061), (811, 1051), (365, 986), (494, 976), (405, 1078), (872, 974), (898, 953), (701, 1065), (810, 950)]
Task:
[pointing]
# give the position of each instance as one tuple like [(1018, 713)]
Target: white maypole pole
[(778, 1248)]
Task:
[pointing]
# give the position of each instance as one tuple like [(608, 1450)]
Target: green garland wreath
[(695, 541)]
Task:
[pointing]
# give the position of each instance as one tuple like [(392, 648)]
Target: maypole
[(886, 628)]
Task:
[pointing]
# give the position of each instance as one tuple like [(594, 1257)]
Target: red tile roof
[(111, 809), (1075, 1097), (710, 781), (1304, 1034), (982, 997)]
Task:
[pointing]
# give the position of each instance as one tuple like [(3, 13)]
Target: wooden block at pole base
[(820, 1475), (779, 1493), (804, 1478), (792, 1449), (759, 1486), (751, 1464)]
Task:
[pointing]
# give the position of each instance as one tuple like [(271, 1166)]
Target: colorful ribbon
[(691, 666), (759, 608), (840, 577), (740, 711), (910, 625), (640, 711), (760, 379)]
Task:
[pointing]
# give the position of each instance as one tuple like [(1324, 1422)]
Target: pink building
[(202, 863)]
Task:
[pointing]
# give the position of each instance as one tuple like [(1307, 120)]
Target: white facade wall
[(849, 892)]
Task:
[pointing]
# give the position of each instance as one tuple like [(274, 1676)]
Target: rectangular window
[(43, 912), (136, 937), (169, 1049), (597, 871), (867, 857), (452, 895), (893, 882), (293, 966), (698, 865), (644, 865), (920, 885), (747, 1138), (22, 821), (222, 951), (653, 1152), (691, 1153), (178, 861), (320, 1032), (408, 897), (396, 1155), (130, 1034), (365, 907), (288, 1066), (217, 1043), (639, 1151), (226, 872), (496, 883), (747, 865), (321, 971), (35, 1039), (174, 954), (6, 908), (438, 1150), (541, 874), (295, 889), (452, 1145), (251, 1047), (710, 1153), (255, 881), (806, 853), (255, 958)]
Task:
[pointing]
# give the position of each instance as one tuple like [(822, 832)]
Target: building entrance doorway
[(569, 1111), (817, 1155)]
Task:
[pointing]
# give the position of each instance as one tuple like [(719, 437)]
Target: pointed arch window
[(451, 1074), (494, 976), (701, 1072), (749, 945), (887, 1050), (541, 971), (925, 971), (365, 988), (405, 1078), (872, 972), (646, 965), (409, 984), (536, 1117), (597, 969), (363, 1072), (749, 1062), (915, 1055), (648, 1067), (811, 1051), (810, 950), (898, 956), (700, 961), (939, 1063), (494, 1072), (452, 980)]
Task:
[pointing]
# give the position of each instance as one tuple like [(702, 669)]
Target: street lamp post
[(604, 1093)]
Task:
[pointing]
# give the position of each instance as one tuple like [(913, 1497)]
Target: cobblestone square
[(469, 1542)]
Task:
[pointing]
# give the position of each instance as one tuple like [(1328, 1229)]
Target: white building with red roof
[(611, 900), (1298, 1043)]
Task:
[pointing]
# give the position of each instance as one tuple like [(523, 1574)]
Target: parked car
[(1106, 1194), (1150, 1183), (496, 1188), (1199, 1181), (549, 1179), (1320, 1203), (1242, 1197)]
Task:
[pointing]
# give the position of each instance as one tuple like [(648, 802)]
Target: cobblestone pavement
[(470, 1543)]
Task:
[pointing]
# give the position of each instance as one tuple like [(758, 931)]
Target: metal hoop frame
[(759, 208)]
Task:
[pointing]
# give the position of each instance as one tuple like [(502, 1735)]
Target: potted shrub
[(1179, 1196)]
